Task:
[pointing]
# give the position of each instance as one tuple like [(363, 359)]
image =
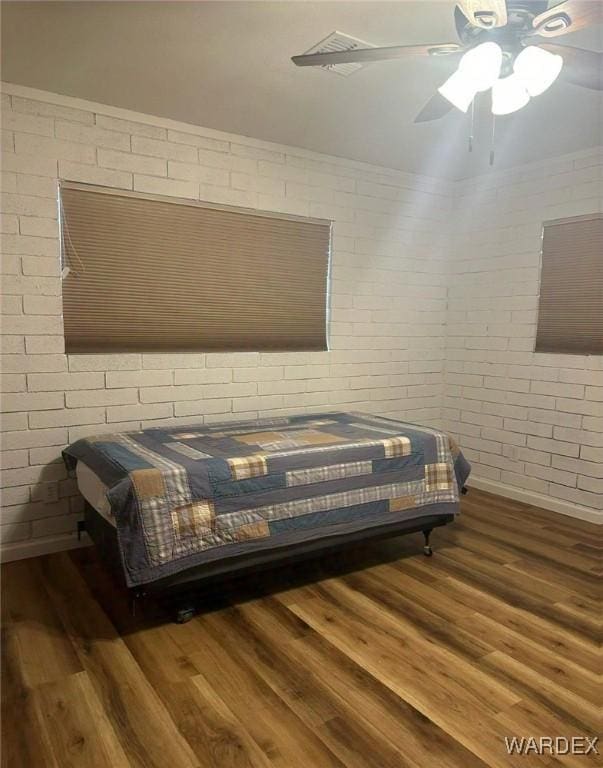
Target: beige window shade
[(149, 273), (570, 317)]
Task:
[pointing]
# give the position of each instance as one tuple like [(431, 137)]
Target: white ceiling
[(226, 65)]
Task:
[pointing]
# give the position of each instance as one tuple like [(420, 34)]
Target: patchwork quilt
[(182, 496)]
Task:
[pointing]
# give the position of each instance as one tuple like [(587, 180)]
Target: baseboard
[(20, 550), (537, 499)]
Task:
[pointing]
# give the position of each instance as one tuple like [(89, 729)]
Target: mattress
[(184, 496)]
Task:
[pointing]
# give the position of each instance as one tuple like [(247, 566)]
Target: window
[(146, 273), (570, 316)]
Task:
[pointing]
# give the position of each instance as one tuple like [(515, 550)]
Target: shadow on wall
[(48, 505)]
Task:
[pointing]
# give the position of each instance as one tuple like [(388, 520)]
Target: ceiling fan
[(504, 46)]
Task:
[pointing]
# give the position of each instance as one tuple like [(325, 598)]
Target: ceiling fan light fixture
[(538, 69), (508, 95)]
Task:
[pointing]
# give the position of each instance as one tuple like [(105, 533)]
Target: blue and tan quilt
[(183, 496)]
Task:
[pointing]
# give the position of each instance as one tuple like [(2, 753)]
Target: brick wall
[(532, 424), (388, 295)]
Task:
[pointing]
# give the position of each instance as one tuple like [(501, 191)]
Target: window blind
[(570, 316), (150, 273)]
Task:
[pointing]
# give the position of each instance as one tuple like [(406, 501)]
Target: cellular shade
[(149, 273), (570, 317)]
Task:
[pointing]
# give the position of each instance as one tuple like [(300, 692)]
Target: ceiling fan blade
[(485, 13), (568, 16), (436, 107), (361, 55), (580, 67)]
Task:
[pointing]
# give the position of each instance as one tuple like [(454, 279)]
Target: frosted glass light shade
[(508, 95), (538, 69), (482, 65), (459, 90), (477, 71)]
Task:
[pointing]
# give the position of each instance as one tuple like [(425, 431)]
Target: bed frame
[(180, 587)]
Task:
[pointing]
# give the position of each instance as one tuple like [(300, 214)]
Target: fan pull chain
[(492, 140), (471, 131)]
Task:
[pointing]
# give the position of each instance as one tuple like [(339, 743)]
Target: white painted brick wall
[(388, 302), (419, 329), (532, 423)]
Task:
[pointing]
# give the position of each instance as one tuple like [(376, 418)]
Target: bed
[(170, 506)]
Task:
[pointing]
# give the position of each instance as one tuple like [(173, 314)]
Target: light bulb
[(508, 95), (537, 68), (477, 71)]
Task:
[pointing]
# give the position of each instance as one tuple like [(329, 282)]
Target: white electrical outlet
[(51, 493)]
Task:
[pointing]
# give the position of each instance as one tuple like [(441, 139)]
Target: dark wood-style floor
[(376, 658)]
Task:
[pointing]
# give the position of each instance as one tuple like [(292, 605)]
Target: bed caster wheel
[(184, 614), (427, 550)]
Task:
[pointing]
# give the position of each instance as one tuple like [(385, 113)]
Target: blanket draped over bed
[(182, 496)]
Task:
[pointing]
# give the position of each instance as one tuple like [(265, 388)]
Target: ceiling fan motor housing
[(520, 16)]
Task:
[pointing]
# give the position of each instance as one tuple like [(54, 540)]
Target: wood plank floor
[(378, 657)]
